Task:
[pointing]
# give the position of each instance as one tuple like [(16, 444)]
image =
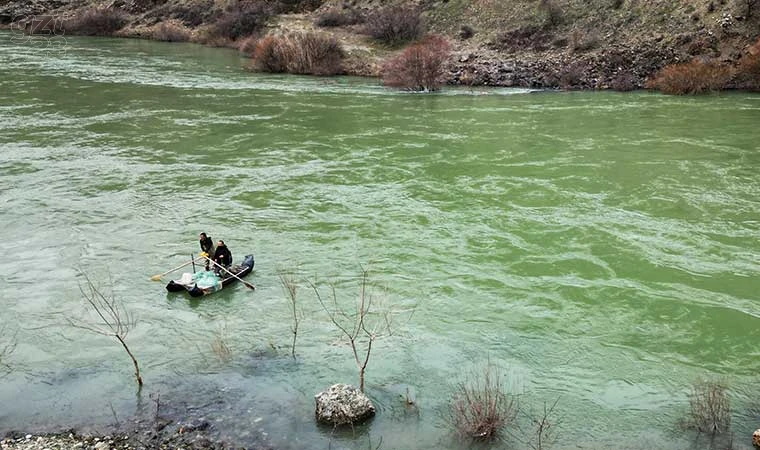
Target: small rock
[(102, 446), (756, 438)]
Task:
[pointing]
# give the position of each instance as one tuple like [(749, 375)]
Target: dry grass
[(421, 67), (481, 407), (695, 77), (299, 53)]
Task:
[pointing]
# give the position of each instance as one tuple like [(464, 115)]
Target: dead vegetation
[(420, 67), (709, 407), (481, 407), (106, 316), (360, 322), (298, 53)]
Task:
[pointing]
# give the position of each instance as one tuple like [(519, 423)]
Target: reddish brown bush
[(421, 67), (299, 53), (171, 32), (481, 408), (96, 22), (694, 77), (748, 72), (394, 25)]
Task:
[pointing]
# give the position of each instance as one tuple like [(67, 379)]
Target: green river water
[(602, 248)]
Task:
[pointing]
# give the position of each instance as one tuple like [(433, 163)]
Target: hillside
[(577, 44)]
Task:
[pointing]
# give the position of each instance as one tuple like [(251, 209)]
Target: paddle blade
[(156, 278), (249, 285)]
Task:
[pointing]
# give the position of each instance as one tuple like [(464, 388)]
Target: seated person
[(222, 256)]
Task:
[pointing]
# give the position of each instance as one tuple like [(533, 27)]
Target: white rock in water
[(756, 438), (343, 404)]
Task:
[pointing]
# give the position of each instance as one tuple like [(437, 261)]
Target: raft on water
[(207, 282)]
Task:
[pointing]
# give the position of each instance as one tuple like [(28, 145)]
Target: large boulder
[(343, 404), (756, 438)]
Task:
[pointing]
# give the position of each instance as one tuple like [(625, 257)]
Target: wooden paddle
[(158, 277), (247, 284)]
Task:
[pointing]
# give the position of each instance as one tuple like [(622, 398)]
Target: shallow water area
[(600, 247)]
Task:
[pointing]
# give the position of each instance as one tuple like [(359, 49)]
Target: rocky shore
[(613, 55)]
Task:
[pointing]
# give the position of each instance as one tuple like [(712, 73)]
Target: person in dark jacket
[(222, 256), (207, 246)]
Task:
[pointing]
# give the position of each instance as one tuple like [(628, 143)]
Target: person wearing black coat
[(207, 246), (223, 255)]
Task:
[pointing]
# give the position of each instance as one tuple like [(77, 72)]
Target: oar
[(247, 284), (158, 277)]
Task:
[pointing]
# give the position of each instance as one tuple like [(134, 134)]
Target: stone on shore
[(343, 404)]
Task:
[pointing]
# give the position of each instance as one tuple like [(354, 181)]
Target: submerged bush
[(695, 77), (481, 408), (421, 67), (709, 407), (299, 53), (394, 25), (96, 22)]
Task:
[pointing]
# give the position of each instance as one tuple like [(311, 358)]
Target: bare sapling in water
[(361, 327), (7, 346), (289, 283), (112, 318)]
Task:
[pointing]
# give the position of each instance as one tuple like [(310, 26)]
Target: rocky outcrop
[(343, 404)]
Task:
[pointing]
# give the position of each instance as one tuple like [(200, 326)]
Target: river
[(600, 248)]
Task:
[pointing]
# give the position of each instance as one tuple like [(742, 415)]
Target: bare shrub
[(299, 53), (193, 13), (361, 324), (552, 13), (481, 407), (96, 22), (243, 19), (394, 25), (582, 42), (171, 31), (616, 4), (466, 32), (7, 347), (335, 17), (695, 77), (247, 46), (623, 82), (748, 72), (289, 283), (421, 67), (526, 37), (219, 344), (709, 407), (544, 433), (289, 6), (112, 318)]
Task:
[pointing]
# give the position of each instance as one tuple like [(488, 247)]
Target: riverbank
[(559, 44)]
